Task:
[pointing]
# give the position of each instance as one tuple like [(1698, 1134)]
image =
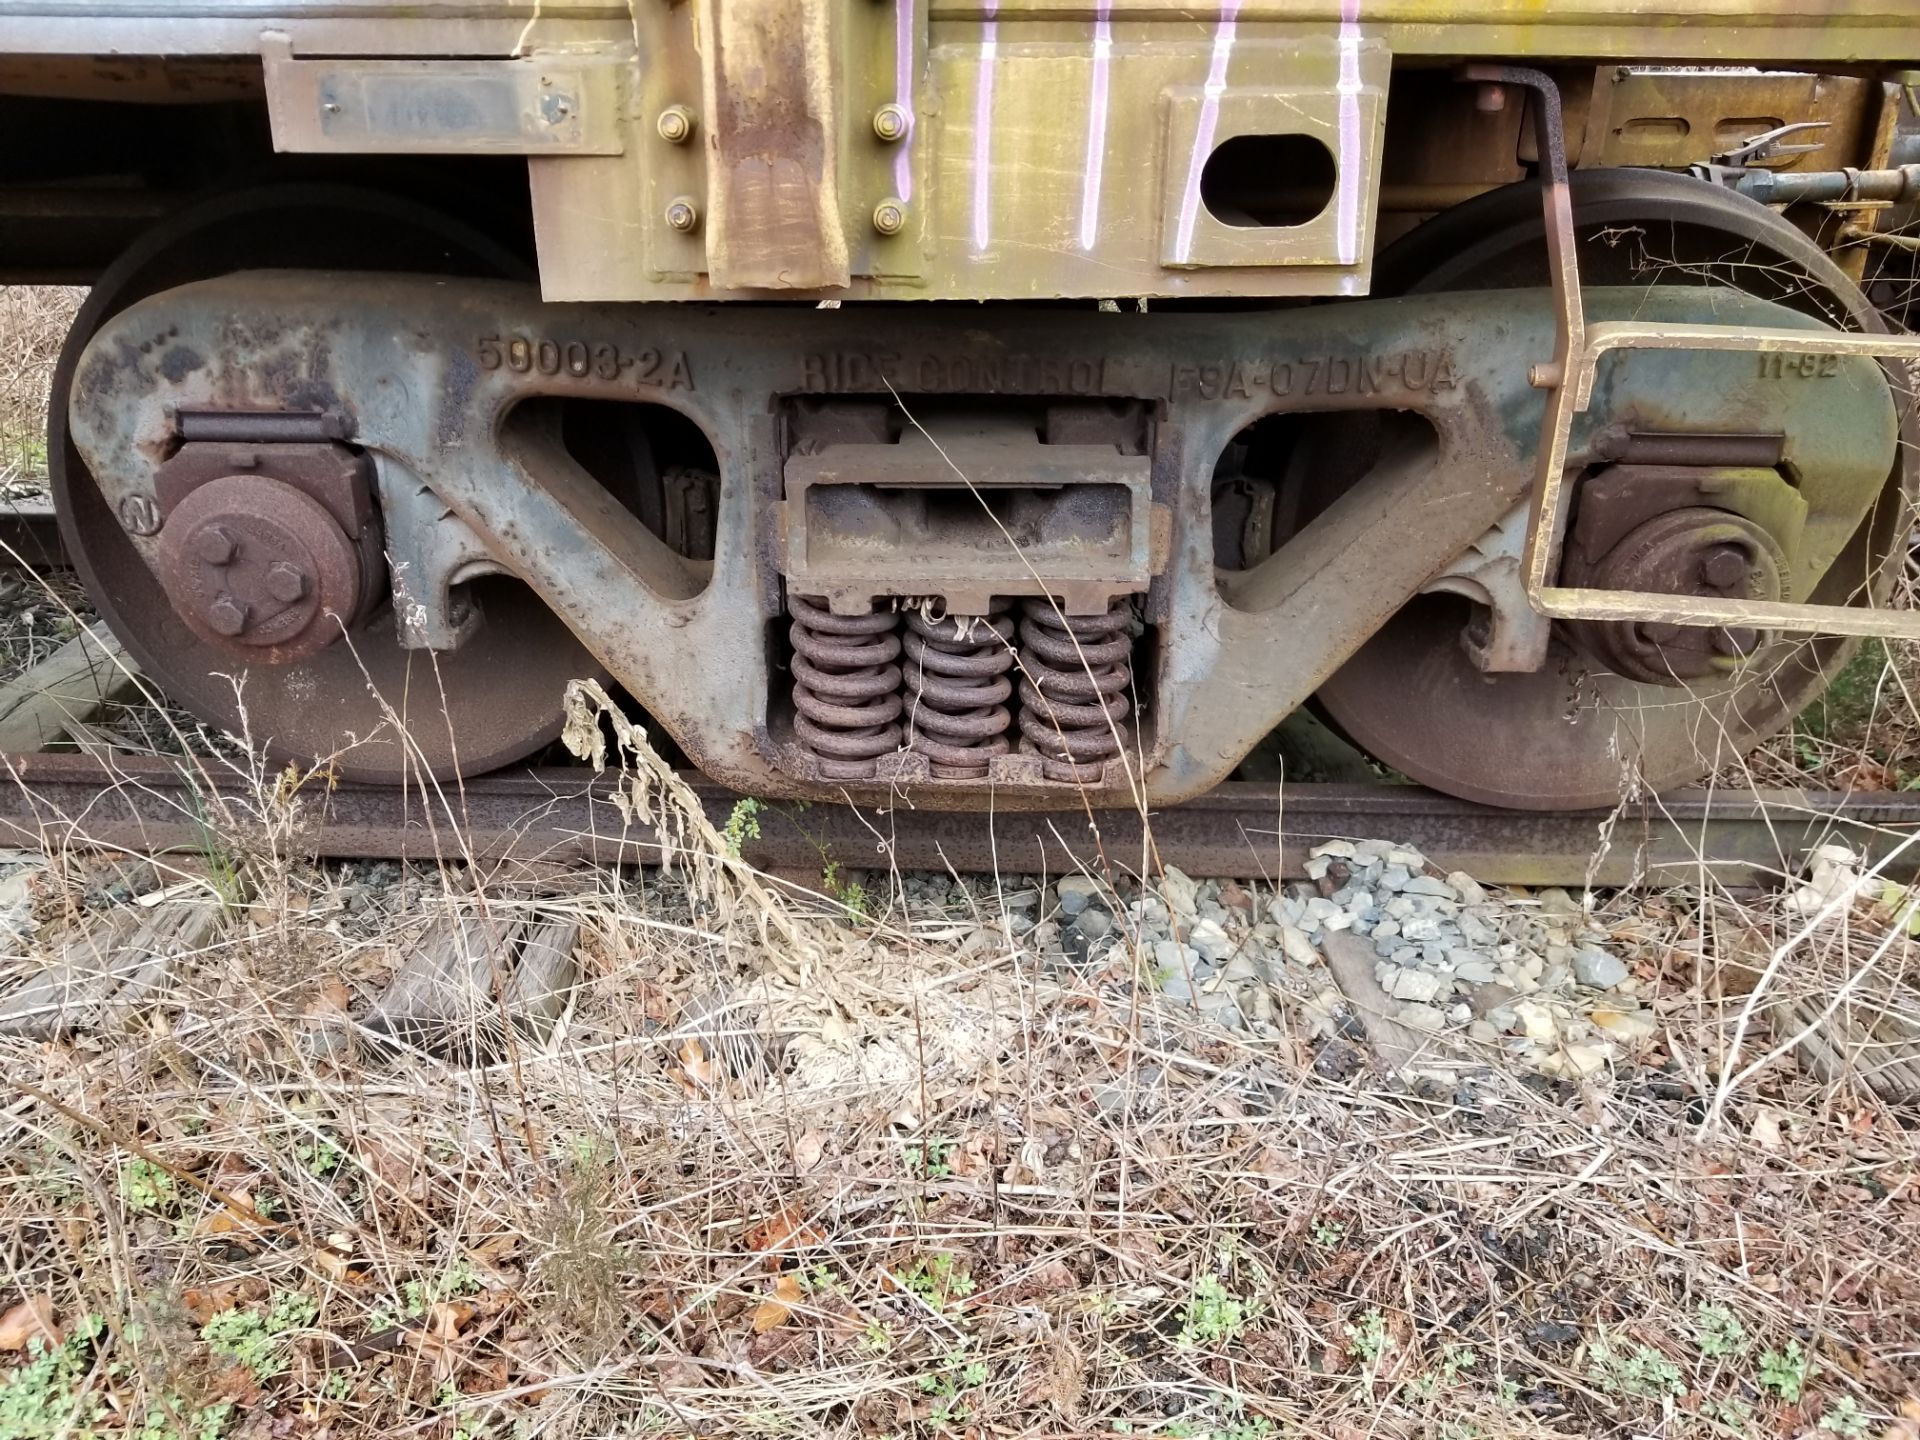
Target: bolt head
[(890, 216), (226, 615), (682, 215), (891, 123), (675, 125), (214, 545), (286, 582), (140, 515), (1724, 566), (1659, 632)]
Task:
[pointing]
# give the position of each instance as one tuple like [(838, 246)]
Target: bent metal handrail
[(1569, 377)]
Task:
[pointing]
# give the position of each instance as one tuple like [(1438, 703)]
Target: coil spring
[(1073, 687), (957, 688), (845, 687)]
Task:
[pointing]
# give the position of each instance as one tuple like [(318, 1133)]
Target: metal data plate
[(431, 107), (1810, 350)]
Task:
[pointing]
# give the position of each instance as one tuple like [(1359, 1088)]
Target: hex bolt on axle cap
[(227, 615), (260, 568), (1693, 550)]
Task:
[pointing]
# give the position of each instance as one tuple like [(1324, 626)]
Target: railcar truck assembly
[(993, 403)]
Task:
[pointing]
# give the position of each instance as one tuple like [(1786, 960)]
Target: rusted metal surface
[(1682, 529), (1775, 30), (357, 702), (738, 148), (1556, 199), (846, 687), (268, 552), (1076, 675), (772, 217), (1233, 654), (961, 511), (1025, 169), (1673, 118), (1729, 837), (1569, 380), (955, 674), (1805, 352)]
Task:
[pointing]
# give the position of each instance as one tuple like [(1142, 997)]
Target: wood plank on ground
[(1862, 1041), (101, 977), (68, 688), (470, 975)]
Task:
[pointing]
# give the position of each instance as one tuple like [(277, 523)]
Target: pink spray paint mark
[(1349, 161), (903, 95), (1096, 128), (983, 128), (1223, 36)]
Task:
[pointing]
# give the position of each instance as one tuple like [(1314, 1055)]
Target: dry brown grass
[(926, 1186), (33, 324)]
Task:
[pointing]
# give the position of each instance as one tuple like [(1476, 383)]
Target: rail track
[(56, 800), (53, 801)]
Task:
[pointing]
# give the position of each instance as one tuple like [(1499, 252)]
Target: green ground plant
[(1214, 1315)]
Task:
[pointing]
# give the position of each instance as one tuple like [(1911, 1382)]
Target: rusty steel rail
[(1736, 837)]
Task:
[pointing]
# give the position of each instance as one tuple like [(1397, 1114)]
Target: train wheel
[(1571, 735), (378, 712)]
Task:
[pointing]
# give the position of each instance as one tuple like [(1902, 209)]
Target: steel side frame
[(1236, 651)]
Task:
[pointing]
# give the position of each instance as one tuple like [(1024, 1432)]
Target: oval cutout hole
[(1654, 129), (1267, 181)]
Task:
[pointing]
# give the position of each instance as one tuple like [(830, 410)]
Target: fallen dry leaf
[(1067, 1384), (238, 1230), (203, 1302), (331, 1000), (779, 1309), (447, 1319), (399, 1169), (698, 1069), (781, 1232), (32, 1317), (1907, 1426), (1766, 1126)]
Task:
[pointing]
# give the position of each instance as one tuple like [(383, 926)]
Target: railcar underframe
[(1010, 405)]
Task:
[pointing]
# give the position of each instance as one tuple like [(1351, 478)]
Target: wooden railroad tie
[(1863, 1041), (59, 698), (468, 980), (101, 977), (473, 975)]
